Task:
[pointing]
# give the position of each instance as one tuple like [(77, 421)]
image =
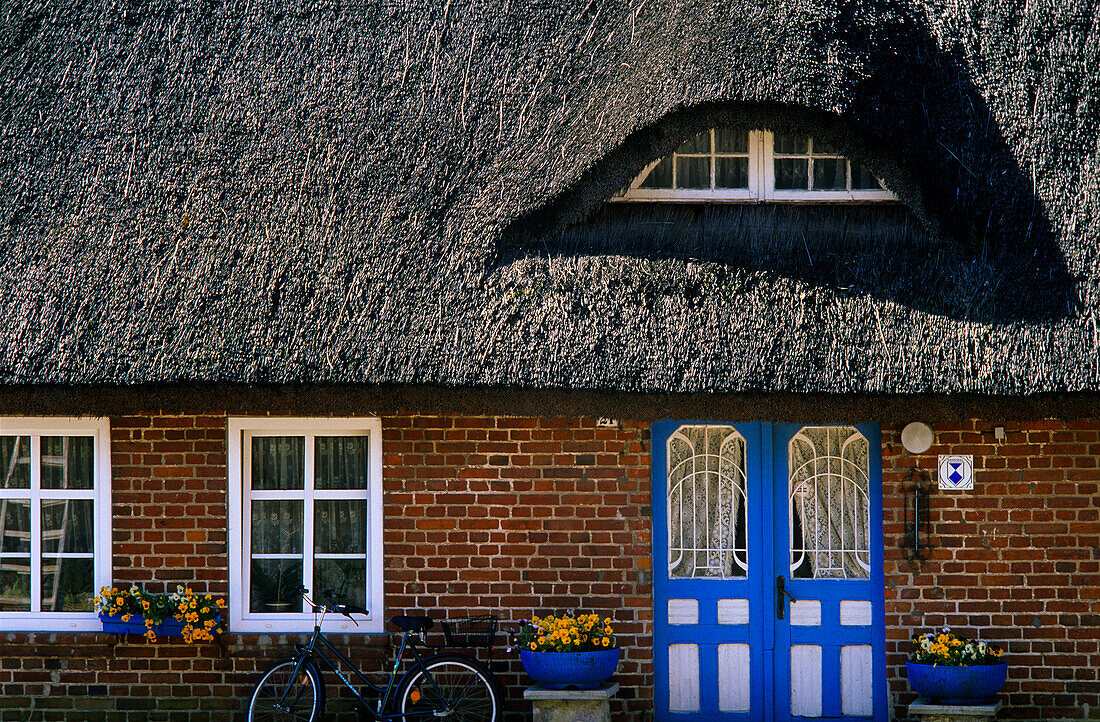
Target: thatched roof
[(415, 193)]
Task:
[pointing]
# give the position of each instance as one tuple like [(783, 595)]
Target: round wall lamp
[(916, 437)]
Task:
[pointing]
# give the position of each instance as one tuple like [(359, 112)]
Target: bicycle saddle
[(412, 624)]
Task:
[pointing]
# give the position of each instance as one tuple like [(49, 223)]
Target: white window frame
[(100, 493), (241, 431), (761, 183), (753, 192)]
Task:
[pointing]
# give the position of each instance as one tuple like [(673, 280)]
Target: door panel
[(827, 510), (737, 537), (709, 558)]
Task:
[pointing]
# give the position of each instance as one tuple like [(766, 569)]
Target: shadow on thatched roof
[(957, 244)]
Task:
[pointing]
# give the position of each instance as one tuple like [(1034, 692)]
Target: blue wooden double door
[(768, 589)]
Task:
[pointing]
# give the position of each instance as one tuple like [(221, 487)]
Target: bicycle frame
[(311, 649)]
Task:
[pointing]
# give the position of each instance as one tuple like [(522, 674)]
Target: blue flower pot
[(558, 670), (169, 626), (957, 685)]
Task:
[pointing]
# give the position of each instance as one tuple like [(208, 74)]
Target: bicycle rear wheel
[(282, 695), (452, 686)]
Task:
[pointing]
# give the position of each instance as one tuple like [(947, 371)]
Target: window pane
[(706, 503), (340, 526), (67, 525), (791, 144), (278, 462), (15, 462), (66, 585), (16, 518), (693, 172), (863, 179), (731, 173), (341, 462), (346, 579), (791, 174), (15, 584), (67, 462), (731, 141), (829, 503), (273, 582), (823, 148), (829, 174), (277, 527), (660, 176), (698, 144)]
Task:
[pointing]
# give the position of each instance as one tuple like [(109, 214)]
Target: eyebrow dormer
[(726, 165)]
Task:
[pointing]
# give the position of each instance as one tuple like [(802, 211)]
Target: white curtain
[(829, 503), (706, 502)]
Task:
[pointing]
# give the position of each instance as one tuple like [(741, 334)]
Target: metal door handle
[(781, 596)]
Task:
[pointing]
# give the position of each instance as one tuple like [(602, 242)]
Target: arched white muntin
[(727, 166), (707, 503), (829, 503)]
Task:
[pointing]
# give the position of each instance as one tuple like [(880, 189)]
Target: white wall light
[(917, 437)]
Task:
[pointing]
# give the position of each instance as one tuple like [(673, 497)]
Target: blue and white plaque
[(956, 472)]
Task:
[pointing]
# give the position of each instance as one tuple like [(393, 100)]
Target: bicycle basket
[(472, 633)]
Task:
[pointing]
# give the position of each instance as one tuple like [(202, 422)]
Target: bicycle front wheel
[(288, 693), (452, 687)]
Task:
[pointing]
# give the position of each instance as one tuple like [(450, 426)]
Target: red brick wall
[(523, 515), (1016, 561), (520, 516)]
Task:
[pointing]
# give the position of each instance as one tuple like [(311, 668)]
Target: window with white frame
[(305, 498), (55, 522), (752, 166)]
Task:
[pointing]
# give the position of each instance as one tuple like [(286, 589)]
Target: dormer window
[(730, 166)]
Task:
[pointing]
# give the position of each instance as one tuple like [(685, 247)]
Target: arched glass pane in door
[(706, 503), (828, 503)]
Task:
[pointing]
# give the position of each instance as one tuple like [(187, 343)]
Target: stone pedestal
[(571, 705), (925, 711)]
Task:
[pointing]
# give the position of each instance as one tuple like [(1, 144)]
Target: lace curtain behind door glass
[(829, 504), (706, 503)]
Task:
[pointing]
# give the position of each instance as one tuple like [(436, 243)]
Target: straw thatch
[(415, 193)]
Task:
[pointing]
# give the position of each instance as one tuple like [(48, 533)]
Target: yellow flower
[(533, 646)]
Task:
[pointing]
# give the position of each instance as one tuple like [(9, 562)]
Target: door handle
[(781, 596)]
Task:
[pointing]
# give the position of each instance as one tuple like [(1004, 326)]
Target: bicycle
[(448, 686)]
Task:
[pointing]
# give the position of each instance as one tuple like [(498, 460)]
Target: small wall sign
[(956, 472)]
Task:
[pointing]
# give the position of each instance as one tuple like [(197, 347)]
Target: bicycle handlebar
[(344, 609)]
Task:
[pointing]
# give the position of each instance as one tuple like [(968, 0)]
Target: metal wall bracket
[(918, 528)]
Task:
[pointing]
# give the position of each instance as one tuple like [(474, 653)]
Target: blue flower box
[(168, 627), (558, 670), (957, 685)]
